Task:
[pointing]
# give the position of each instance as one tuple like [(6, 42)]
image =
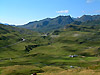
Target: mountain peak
[(49, 23), (85, 18), (64, 16)]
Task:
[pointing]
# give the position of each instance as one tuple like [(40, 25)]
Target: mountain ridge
[(50, 24)]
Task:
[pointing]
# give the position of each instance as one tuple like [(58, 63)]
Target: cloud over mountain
[(62, 11)]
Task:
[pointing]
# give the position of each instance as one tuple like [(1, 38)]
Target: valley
[(72, 49)]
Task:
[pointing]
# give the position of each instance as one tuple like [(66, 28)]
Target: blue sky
[(23, 11)]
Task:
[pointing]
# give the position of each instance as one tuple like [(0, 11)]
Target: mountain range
[(59, 22), (85, 18), (48, 24)]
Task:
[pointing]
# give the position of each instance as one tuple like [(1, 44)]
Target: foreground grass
[(72, 72), (20, 70), (47, 70)]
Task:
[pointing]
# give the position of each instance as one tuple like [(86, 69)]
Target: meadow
[(50, 55)]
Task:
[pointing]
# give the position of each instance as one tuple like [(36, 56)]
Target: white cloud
[(89, 1), (62, 11), (91, 12)]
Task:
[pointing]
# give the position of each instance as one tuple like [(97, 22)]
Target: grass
[(51, 57), (73, 72), (47, 70), (20, 70)]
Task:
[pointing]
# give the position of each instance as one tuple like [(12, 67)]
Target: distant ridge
[(50, 24), (85, 18), (7, 24)]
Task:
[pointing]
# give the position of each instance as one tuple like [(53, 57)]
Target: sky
[(19, 12)]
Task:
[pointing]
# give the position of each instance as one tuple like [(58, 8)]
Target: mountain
[(6, 24), (9, 28), (91, 23), (48, 24), (85, 18), (59, 22)]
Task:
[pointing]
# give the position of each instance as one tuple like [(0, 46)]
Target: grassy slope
[(10, 36), (54, 51)]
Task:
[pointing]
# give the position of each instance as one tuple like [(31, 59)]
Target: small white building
[(73, 56), (23, 39)]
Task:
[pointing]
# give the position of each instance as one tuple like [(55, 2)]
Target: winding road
[(14, 43), (21, 41)]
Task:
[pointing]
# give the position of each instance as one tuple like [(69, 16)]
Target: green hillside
[(74, 47), (10, 37)]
